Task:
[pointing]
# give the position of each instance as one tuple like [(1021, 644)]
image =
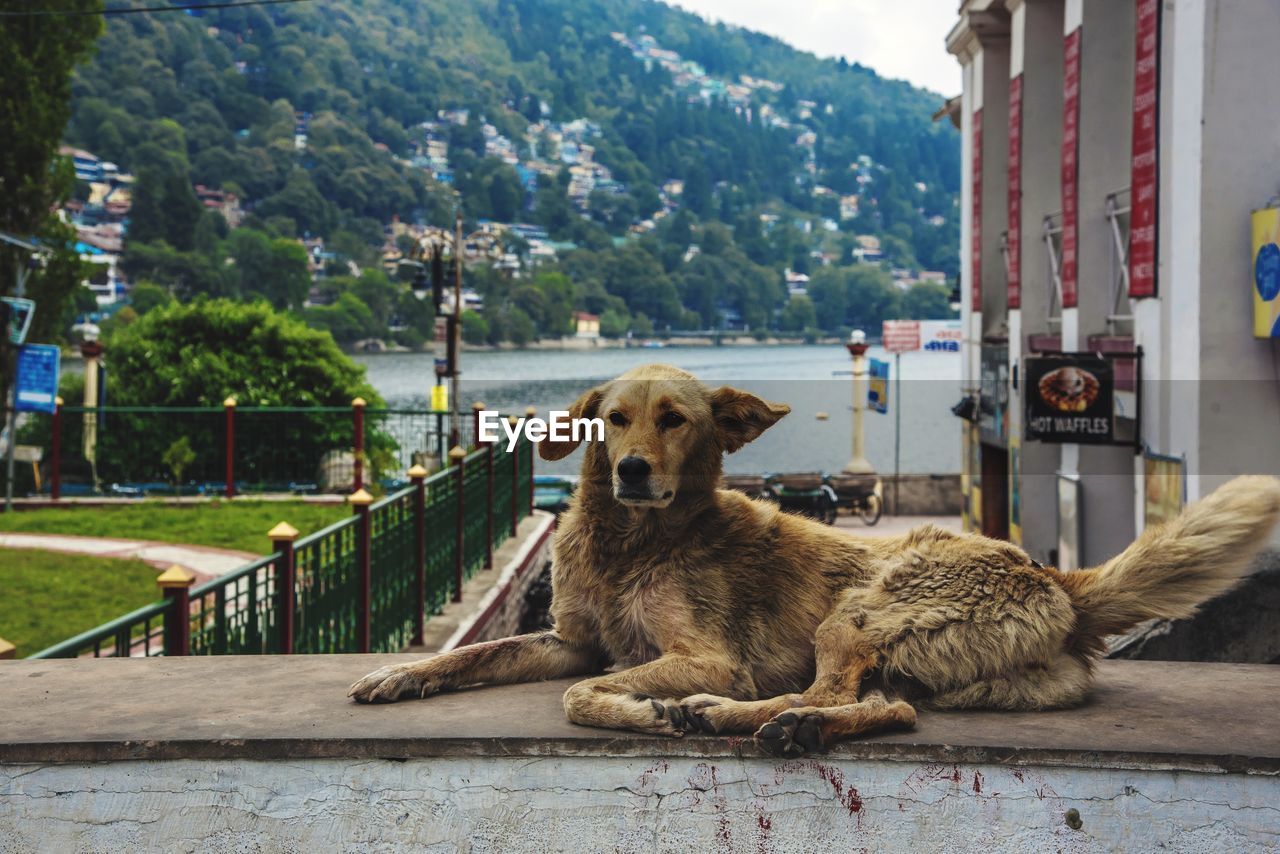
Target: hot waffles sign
[(1070, 399)]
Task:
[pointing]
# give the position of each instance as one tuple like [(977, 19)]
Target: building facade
[(1115, 154)]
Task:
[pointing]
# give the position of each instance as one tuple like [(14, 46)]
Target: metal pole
[(457, 458), (10, 415), (361, 500), (418, 475), (175, 583), (11, 428), (55, 451), (454, 391), (229, 406), (897, 432), (282, 537), (357, 417)]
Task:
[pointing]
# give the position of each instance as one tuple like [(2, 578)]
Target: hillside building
[(1114, 152)]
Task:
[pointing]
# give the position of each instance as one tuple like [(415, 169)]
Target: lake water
[(801, 376)]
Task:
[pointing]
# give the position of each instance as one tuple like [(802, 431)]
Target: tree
[(927, 301), (475, 329), (798, 315), (205, 351), (201, 352), (147, 295), (35, 77)]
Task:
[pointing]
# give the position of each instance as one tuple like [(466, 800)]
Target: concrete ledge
[(266, 754), (1211, 718)]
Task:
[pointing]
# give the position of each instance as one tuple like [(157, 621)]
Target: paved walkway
[(205, 561)]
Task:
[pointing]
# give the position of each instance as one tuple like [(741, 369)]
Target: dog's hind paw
[(791, 735)]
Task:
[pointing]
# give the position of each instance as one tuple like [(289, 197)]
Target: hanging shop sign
[(1144, 177), (993, 399), (1266, 273), (1070, 399)]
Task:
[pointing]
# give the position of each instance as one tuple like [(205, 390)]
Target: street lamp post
[(857, 347)]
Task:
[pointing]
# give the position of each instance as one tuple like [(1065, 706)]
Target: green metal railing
[(326, 572), (365, 584), (121, 450), (140, 632), (235, 614)]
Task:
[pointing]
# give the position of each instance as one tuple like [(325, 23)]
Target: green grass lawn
[(239, 525), (47, 597)]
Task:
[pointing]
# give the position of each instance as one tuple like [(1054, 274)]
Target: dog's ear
[(741, 416), (584, 407)]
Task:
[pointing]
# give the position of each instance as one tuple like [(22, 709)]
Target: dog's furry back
[(1173, 568)]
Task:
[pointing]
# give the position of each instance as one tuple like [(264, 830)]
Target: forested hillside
[(689, 164)]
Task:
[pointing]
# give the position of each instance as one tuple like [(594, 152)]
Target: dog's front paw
[(706, 713), (393, 682), (791, 735)]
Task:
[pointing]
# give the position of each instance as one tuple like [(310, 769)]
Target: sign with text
[(1014, 226), (941, 336), (878, 386), (1070, 399), (900, 336), (36, 388), (1144, 178), (975, 254), (1070, 159)]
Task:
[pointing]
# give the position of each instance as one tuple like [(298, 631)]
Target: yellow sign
[(1266, 273), (440, 397)]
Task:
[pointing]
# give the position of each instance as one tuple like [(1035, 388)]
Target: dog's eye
[(617, 419), (670, 420)]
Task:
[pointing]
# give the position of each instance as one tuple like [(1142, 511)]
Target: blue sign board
[(878, 386), (37, 383)]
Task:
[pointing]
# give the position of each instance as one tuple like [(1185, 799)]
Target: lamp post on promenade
[(857, 347)]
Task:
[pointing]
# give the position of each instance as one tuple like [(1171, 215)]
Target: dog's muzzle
[(634, 487)]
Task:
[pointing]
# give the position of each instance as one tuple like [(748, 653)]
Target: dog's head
[(664, 433)]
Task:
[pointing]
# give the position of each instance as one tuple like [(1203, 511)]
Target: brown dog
[(722, 614)]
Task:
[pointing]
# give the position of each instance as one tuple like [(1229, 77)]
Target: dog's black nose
[(633, 470)]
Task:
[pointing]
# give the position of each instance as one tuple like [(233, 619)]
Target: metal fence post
[(229, 405), (418, 475), (361, 500), (515, 480), (357, 418), (55, 451), (457, 458), (175, 583), (282, 537), (476, 409), (529, 413)]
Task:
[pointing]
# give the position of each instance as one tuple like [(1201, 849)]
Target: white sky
[(900, 39)]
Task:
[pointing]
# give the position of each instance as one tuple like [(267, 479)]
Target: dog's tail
[(1173, 568)]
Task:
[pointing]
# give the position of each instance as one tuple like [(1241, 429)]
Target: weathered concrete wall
[(596, 804), (922, 495)]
